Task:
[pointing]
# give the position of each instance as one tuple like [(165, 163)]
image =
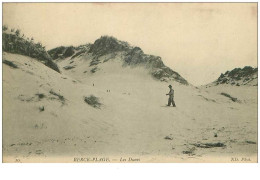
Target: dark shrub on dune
[(13, 43), (92, 101)]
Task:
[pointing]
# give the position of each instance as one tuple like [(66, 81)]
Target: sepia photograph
[(129, 82)]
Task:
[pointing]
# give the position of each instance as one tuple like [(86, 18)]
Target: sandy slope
[(133, 120)]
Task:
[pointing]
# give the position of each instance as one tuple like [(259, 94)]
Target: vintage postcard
[(129, 82)]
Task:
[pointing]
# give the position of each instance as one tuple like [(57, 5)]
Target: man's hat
[(170, 86)]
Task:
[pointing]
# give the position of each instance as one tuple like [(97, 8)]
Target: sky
[(198, 40)]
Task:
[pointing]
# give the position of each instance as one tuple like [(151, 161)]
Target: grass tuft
[(93, 101)]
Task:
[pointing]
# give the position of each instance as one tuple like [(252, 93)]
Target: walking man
[(171, 95)]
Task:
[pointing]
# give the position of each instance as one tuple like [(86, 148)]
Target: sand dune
[(45, 116)]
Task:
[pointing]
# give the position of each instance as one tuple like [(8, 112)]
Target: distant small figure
[(93, 84), (171, 95)]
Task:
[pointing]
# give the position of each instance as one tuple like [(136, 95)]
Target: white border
[(135, 1), (127, 171)]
